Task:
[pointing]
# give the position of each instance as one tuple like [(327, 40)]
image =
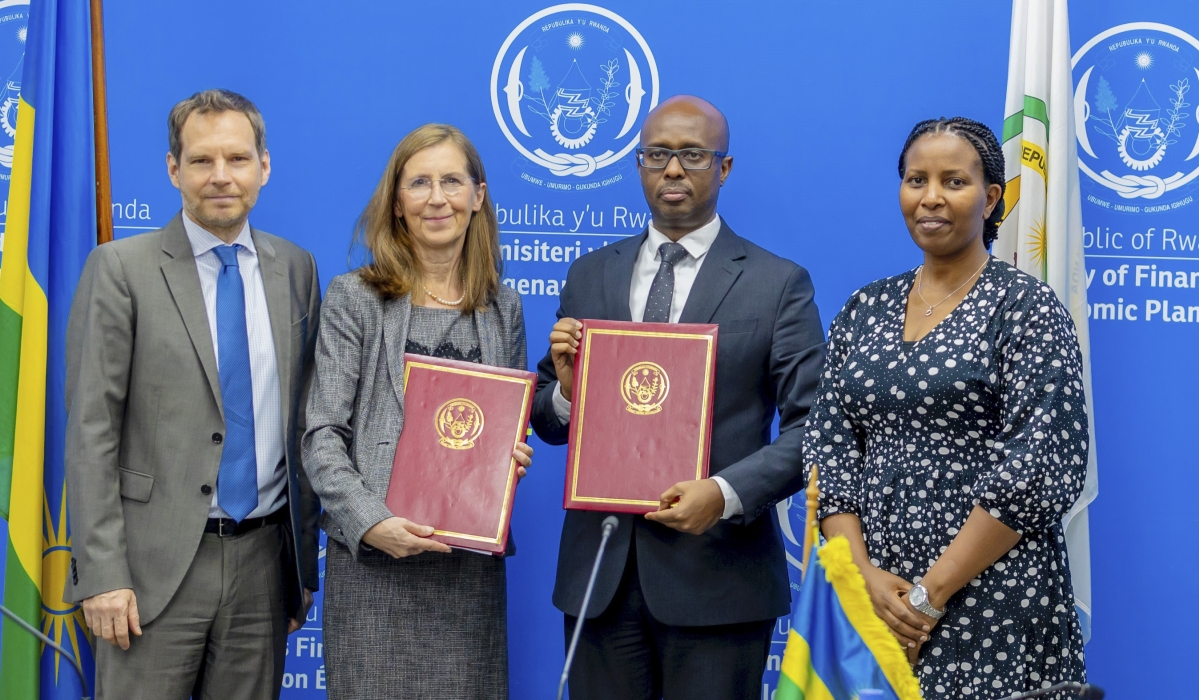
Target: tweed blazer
[(356, 404)]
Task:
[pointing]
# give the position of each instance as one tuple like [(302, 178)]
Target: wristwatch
[(918, 597)]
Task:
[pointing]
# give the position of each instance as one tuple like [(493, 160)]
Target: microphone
[(610, 524), (1080, 690), (51, 643)]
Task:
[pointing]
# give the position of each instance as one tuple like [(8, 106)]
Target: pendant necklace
[(920, 274)]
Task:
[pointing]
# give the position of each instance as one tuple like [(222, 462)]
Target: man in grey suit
[(190, 348)]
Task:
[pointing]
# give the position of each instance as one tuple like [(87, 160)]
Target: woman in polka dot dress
[(950, 430)]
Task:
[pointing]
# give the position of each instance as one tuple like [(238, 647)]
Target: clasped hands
[(889, 595)]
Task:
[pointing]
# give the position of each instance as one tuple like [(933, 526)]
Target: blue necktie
[(237, 480)]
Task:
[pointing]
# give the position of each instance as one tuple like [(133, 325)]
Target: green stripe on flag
[(10, 369), (1013, 126), (787, 690), (20, 652), (1034, 108)]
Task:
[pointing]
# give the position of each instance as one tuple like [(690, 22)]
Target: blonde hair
[(394, 269)]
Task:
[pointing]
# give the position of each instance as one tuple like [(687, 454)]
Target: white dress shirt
[(697, 243), (264, 369)]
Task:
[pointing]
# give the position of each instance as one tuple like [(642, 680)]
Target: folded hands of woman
[(889, 594)]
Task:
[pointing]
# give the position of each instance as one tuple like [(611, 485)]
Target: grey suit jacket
[(356, 407), (145, 419)]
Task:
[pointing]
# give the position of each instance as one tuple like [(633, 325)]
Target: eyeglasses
[(689, 158), (422, 187)]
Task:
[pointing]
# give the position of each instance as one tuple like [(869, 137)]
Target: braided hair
[(990, 152)]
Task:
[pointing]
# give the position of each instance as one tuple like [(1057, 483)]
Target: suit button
[(206, 490), (216, 438)]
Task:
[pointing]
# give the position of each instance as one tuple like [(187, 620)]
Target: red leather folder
[(640, 414), (453, 466)]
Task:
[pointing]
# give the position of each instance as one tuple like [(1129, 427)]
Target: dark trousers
[(625, 654)]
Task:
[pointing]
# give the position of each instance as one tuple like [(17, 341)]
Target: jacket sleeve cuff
[(94, 580), (561, 405), (366, 514)]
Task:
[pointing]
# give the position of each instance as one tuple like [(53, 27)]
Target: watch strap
[(925, 607)]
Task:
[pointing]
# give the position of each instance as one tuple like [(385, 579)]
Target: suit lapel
[(396, 313), (276, 281), (720, 269), (618, 277), (183, 280)]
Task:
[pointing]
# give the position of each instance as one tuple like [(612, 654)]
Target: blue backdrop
[(820, 97)]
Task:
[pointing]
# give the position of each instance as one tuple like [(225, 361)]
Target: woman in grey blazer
[(431, 287)]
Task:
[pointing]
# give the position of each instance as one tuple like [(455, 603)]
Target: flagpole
[(100, 109), (809, 529)]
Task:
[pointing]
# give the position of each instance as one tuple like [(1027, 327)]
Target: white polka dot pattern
[(987, 409)]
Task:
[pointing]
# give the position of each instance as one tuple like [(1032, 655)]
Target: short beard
[(219, 223)]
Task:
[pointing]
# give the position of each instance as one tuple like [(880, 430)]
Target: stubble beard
[(219, 220)]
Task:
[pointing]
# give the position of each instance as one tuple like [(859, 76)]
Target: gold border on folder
[(524, 416), (582, 392)]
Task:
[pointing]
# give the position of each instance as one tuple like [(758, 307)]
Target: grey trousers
[(223, 636)]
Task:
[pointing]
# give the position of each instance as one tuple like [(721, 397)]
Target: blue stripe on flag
[(839, 655)]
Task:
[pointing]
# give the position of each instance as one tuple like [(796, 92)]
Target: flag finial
[(810, 524)]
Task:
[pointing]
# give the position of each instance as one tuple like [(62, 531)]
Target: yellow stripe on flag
[(20, 291), (1033, 156), (16, 233), (797, 666), (29, 446), (847, 581), (1011, 196)]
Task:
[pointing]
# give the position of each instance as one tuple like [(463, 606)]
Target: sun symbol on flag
[(21, 33), (59, 617), (575, 41), (1037, 244), (1144, 60)]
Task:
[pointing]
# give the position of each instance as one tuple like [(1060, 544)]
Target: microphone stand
[(50, 642), (610, 525), (1080, 690)]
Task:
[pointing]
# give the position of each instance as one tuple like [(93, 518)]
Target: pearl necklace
[(446, 302)]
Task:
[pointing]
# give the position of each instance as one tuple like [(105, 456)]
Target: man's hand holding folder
[(640, 398), (690, 506)]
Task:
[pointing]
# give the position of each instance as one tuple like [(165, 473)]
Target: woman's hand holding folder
[(400, 537)]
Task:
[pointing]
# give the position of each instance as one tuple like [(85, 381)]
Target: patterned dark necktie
[(661, 292)]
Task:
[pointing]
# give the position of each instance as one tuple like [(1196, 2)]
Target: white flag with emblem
[(1042, 228)]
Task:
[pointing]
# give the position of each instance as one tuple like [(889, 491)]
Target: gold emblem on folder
[(644, 387), (459, 422)]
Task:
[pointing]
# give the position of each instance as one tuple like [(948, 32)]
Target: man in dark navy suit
[(686, 599)]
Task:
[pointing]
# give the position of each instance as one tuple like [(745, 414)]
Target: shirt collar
[(203, 241), (697, 242)]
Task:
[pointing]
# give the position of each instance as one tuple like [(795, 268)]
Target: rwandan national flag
[(51, 228), (837, 646)]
